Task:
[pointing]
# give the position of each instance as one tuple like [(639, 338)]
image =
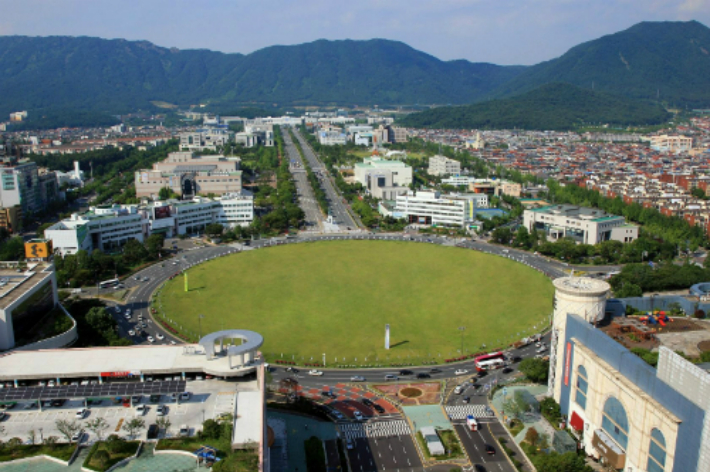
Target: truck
[(471, 423)]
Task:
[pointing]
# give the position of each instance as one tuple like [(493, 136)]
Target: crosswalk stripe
[(378, 429), (460, 412)]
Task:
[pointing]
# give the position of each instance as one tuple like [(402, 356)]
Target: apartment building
[(433, 208), (584, 225), (442, 165), (397, 134), (188, 175), (671, 144), (23, 185)]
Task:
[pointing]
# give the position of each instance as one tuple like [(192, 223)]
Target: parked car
[(155, 398), (162, 410), (159, 336), (150, 339), (78, 436), (184, 430), (507, 370), (467, 399), (141, 409), (184, 396), (349, 443), (378, 408), (81, 413), (358, 415), (317, 373), (152, 432), (367, 402)]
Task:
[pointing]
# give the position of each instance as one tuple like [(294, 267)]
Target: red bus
[(493, 360)]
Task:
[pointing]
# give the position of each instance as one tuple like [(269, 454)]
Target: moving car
[(292, 369), (357, 378), (159, 336), (405, 372), (490, 450), (467, 399), (461, 372), (316, 373), (391, 377), (507, 370), (150, 339), (131, 333), (434, 371), (423, 375)]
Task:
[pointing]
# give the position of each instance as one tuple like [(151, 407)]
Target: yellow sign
[(38, 249)]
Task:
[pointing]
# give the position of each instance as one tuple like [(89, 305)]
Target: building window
[(615, 422), (581, 388), (656, 452)]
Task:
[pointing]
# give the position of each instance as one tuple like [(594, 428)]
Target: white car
[(314, 372), (349, 443), (127, 316), (81, 413), (118, 309), (128, 311), (173, 343), (461, 372), (131, 333), (141, 409), (357, 378), (159, 336), (150, 339), (542, 349), (358, 416)]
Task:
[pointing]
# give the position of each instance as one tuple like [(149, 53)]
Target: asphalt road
[(387, 453), (338, 209), (306, 200)]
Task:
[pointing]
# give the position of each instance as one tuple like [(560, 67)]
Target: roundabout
[(335, 297)]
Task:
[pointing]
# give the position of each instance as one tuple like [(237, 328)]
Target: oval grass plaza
[(335, 297)]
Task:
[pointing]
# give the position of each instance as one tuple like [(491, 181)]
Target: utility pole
[(462, 329)]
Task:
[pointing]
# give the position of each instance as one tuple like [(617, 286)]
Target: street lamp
[(199, 322), (462, 329)]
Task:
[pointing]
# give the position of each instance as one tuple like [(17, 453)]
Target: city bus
[(494, 360), (109, 283)]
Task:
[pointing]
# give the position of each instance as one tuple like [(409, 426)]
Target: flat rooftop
[(14, 284), (91, 362), (573, 211)]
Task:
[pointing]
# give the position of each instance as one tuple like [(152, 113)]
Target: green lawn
[(335, 297)]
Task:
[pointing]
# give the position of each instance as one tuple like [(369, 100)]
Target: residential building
[(28, 292), (511, 189), (18, 116), (188, 175), (584, 225), (401, 173), (263, 131), (442, 165), (624, 412), (671, 144), (433, 208), (21, 185)]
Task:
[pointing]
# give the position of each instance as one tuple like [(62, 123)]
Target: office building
[(332, 137), (624, 412), (401, 173), (11, 218), (584, 225), (27, 293), (442, 165), (204, 139), (189, 175), (23, 185), (397, 134), (433, 208)]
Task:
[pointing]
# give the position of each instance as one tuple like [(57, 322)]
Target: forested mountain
[(555, 106), (667, 61), (119, 75)]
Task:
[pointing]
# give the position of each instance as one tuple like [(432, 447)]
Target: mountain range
[(667, 62), (554, 106)]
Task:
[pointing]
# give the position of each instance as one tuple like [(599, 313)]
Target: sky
[(498, 31)]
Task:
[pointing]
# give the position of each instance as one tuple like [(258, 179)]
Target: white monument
[(387, 336)]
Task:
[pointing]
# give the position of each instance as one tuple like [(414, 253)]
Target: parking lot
[(208, 399)]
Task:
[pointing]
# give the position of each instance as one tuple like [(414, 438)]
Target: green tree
[(98, 426), (554, 462), (211, 429), (214, 229), (133, 426), (535, 369), (502, 235), (67, 428), (532, 436), (522, 238), (134, 252), (153, 245), (697, 192)]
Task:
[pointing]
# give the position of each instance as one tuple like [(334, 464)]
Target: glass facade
[(656, 452), (615, 422), (580, 395)]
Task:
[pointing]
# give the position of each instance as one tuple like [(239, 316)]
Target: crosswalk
[(378, 429), (460, 412)]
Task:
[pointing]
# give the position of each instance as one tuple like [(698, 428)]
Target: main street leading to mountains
[(306, 200), (340, 213)]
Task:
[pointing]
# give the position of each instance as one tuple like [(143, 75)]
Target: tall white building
[(442, 165), (433, 208)]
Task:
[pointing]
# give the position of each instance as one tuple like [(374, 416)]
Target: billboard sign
[(161, 212)]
